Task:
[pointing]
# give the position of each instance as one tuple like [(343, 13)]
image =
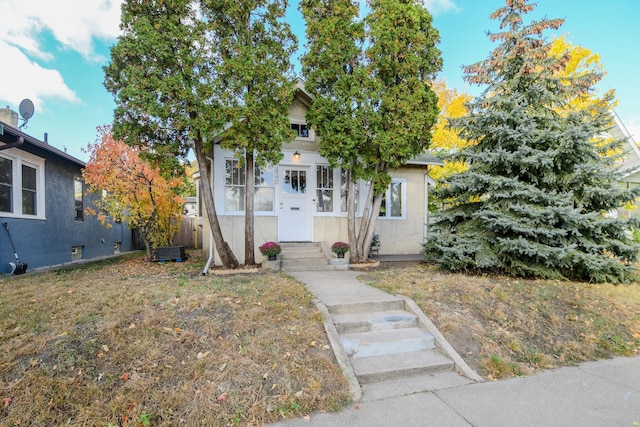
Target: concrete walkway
[(602, 393)]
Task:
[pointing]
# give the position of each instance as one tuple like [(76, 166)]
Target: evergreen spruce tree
[(541, 182)]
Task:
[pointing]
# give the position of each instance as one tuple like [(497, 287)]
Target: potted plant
[(340, 248), (270, 250)]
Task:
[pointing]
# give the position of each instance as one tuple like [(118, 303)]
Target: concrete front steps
[(304, 256), (393, 350)]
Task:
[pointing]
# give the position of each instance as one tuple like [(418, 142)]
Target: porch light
[(296, 156)]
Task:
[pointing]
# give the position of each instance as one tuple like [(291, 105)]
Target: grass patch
[(125, 342), (506, 327)]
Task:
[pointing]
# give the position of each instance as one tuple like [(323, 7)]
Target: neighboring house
[(630, 167), (303, 199), (43, 201)]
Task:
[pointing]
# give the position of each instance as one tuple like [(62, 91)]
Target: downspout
[(211, 253), (426, 204)]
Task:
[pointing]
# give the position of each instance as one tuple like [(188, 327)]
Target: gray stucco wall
[(43, 243)]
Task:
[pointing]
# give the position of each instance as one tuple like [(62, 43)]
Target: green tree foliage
[(255, 86), (536, 197), (183, 70), (373, 104)]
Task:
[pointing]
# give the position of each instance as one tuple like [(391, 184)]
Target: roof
[(426, 159), (11, 136), (631, 162)]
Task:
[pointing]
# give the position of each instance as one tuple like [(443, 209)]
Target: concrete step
[(374, 321), (303, 262), (302, 255), (386, 342), (381, 304), (400, 365), (325, 267)]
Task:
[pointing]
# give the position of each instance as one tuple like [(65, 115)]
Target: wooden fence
[(189, 236)]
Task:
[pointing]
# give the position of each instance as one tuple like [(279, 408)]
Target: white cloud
[(24, 78), (74, 25), (437, 7)]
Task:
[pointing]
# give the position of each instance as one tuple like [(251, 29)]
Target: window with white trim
[(234, 190), (393, 201), (324, 190), (21, 185), (6, 185), (302, 131)]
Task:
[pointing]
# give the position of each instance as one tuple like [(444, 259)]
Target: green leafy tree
[(162, 75), (256, 86), (183, 70), (373, 103), (538, 193)]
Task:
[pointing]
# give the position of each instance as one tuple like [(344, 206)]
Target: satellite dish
[(26, 109)]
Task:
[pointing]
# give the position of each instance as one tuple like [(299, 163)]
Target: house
[(43, 201), (630, 166), (303, 199)]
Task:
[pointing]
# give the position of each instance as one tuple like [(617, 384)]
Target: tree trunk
[(361, 242), (249, 257), (224, 251)]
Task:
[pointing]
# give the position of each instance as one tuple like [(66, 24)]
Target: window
[(301, 130), (79, 199), (6, 185), (21, 185), (264, 190), (393, 201), (234, 186), (325, 190)]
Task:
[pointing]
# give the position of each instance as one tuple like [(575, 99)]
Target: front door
[(294, 219)]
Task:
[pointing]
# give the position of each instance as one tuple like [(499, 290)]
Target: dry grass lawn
[(507, 327), (129, 343)]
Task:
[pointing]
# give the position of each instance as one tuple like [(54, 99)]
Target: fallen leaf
[(306, 417), (6, 401), (313, 343), (274, 386), (222, 367), (105, 348), (202, 355), (132, 326), (221, 398), (125, 376)]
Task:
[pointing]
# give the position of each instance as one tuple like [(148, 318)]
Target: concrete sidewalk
[(602, 393)]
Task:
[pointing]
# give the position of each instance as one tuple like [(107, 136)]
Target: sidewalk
[(602, 393)]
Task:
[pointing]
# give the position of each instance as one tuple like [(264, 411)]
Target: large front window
[(235, 188)]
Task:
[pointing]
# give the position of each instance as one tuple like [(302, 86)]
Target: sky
[(53, 53)]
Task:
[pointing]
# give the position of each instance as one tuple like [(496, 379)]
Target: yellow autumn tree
[(446, 140), (132, 190)]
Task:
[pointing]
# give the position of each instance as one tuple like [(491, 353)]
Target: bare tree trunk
[(361, 242), (249, 257), (224, 251)]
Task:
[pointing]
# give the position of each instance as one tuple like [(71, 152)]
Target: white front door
[(294, 219)]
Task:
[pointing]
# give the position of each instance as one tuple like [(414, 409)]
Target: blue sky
[(53, 53)]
